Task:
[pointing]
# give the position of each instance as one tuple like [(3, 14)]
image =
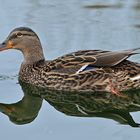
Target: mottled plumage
[(88, 70)]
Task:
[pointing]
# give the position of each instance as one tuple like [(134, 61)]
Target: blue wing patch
[(89, 68), (86, 67)]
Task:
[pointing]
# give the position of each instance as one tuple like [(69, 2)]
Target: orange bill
[(5, 46)]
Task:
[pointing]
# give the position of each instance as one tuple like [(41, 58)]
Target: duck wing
[(96, 57), (114, 58), (88, 59), (78, 58)]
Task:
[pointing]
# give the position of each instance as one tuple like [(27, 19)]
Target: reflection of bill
[(25, 110)]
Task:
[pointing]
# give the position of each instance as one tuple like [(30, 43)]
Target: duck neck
[(33, 55)]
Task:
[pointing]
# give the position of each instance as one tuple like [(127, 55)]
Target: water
[(65, 26)]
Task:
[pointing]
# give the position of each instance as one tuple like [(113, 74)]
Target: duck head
[(25, 40)]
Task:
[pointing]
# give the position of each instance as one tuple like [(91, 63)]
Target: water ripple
[(104, 6), (6, 77)]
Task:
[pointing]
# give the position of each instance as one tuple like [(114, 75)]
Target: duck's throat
[(33, 56)]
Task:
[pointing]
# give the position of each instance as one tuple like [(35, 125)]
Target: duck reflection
[(97, 104), (25, 110), (79, 104)]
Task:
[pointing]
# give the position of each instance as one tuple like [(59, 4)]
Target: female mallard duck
[(88, 70)]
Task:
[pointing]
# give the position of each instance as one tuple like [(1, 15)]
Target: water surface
[(65, 26)]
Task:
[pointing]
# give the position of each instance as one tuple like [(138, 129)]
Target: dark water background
[(65, 26)]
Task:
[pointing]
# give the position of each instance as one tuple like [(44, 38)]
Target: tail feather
[(133, 51)]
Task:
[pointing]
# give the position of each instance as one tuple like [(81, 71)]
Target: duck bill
[(6, 46), (5, 108)]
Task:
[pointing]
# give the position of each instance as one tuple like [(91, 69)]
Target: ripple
[(136, 6), (137, 26), (104, 6), (6, 77)]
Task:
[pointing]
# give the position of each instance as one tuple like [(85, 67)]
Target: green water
[(65, 26)]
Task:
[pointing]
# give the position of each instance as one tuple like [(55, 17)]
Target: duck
[(83, 70)]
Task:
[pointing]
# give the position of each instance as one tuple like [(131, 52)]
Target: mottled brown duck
[(85, 70)]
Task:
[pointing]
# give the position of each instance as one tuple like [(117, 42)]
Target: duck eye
[(19, 34)]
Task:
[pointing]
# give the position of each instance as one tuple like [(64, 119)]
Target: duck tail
[(133, 51)]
